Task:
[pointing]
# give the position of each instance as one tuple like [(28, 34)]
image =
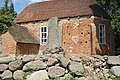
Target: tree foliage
[(7, 15), (113, 9)]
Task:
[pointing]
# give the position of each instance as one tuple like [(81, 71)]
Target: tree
[(116, 28), (113, 9), (7, 15)]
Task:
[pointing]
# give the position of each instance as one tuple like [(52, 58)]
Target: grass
[(26, 74), (116, 78)]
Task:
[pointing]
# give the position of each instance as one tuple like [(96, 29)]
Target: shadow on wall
[(107, 48)]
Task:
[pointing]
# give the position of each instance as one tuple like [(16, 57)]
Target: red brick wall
[(27, 48), (76, 36), (8, 44), (80, 37)]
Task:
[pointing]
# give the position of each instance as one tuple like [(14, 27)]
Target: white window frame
[(42, 42), (102, 34)]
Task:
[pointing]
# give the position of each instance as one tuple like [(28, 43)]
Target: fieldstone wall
[(56, 64)]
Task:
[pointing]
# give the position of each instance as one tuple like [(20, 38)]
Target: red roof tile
[(60, 9)]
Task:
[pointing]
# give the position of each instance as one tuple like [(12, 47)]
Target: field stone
[(81, 78), (76, 68), (2, 55), (18, 75), (14, 65), (99, 57), (19, 57), (42, 57), (7, 59), (52, 61), (27, 58), (55, 72), (64, 61), (45, 52), (116, 70), (87, 58), (53, 51), (34, 65), (6, 75), (57, 56), (3, 67), (38, 75), (113, 60), (61, 49), (77, 59)]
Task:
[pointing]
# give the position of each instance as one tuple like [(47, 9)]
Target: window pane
[(45, 40), (42, 40), (104, 28), (42, 29), (45, 35), (103, 34), (100, 34), (104, 40), (42, 35), (45, 29), (101, 40), (100, 27)]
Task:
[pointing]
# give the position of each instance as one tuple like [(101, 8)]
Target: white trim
[(103, 34), (43, 43)]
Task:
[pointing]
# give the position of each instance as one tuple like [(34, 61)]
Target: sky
[(19, 5)]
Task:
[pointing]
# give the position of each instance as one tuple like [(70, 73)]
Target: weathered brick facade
[(79, 36)]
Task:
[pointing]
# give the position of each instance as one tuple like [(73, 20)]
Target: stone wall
[(57, 64)]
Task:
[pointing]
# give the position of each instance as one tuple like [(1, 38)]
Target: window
[(102, 34), (43, 35)]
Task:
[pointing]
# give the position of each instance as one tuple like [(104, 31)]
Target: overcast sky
[(20, 4)]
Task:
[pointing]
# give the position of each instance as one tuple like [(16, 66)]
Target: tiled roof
[(22, 35), (61, 9)]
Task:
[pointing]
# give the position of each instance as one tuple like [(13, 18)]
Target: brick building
[(85, 28)]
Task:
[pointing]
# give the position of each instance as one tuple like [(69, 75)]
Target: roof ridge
[(40, 2)]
